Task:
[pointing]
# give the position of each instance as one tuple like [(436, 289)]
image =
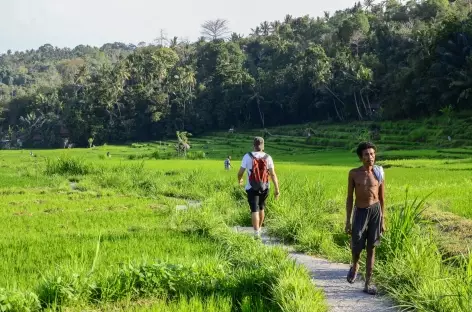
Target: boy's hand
[(348, 228), (384, 228)]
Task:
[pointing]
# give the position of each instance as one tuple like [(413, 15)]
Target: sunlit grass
[(69, 212)]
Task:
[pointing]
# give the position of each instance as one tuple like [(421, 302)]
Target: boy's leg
[(356, 256), (369, 265), (358, 238), (373, 240)]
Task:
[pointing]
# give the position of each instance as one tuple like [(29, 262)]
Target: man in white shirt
[(257, 184)]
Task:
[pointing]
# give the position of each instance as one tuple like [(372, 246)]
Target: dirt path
[(331, 277)]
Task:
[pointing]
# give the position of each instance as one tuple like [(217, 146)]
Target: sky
[(28, 24)]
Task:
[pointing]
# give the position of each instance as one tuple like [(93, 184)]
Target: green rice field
[(82, 231)]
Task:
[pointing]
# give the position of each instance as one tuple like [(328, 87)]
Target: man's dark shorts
[(256, 200), (366, 227)]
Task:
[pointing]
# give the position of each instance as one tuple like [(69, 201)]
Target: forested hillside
[(388, 60)]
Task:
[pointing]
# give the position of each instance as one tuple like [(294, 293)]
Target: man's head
[(258, 144), (366, 152), (229, 157)]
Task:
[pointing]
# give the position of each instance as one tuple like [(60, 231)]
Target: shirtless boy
[(367, 226)]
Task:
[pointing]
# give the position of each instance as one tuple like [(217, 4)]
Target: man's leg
[(255, 221), (262, 200), (261, 217), (253, 200)]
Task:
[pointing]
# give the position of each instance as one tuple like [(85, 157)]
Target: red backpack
[(259, 176)]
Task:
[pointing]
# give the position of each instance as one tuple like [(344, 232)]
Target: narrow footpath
[(331, 277)]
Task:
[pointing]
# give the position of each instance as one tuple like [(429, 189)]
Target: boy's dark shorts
[(366, 227), (256, 199)]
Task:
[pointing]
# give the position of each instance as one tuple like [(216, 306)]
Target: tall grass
[(412, 269), (402, 223), (268, 270), (305, 215), (67, 165), (255, 277)]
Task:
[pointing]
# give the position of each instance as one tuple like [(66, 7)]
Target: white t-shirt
[(247, 164)]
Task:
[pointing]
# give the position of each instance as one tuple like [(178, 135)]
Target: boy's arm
[(349, 201), (382, 202)]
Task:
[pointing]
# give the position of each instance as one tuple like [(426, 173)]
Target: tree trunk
[(260, 113), (368, 103), (337, 112), (326, 87), (363, 103), (357, 106)]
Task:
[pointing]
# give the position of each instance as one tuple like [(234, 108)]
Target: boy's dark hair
[(363, 146)]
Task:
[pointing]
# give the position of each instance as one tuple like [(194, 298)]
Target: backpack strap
[(252, 156)]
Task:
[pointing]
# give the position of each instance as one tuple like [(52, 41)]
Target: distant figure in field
[(259, 167), (108, 154), (368, 183), (228, 163)]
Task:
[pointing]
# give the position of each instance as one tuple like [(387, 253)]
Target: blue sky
[(28, 24)]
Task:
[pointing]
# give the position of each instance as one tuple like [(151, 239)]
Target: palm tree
[(183, 142), (288, 19), (173, 42), (327, 15), (275, 26), (187, 83), (368, 4), (265, 28), (255, 32), (258, 98)]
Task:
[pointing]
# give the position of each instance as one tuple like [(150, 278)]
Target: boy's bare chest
[(365, 180)]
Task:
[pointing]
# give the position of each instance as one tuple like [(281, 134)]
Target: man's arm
[(349, 201), (240, 175), (273, 176), (382, 202)]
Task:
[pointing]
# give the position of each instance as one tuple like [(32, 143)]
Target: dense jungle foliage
[(389, 60)]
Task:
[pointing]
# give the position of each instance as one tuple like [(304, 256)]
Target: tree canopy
[(387, 60)]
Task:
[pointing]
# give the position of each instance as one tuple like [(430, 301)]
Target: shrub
[(196, 155), (418, 135), (138, 145), (18, 302), (65, 165), (161, 155)]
